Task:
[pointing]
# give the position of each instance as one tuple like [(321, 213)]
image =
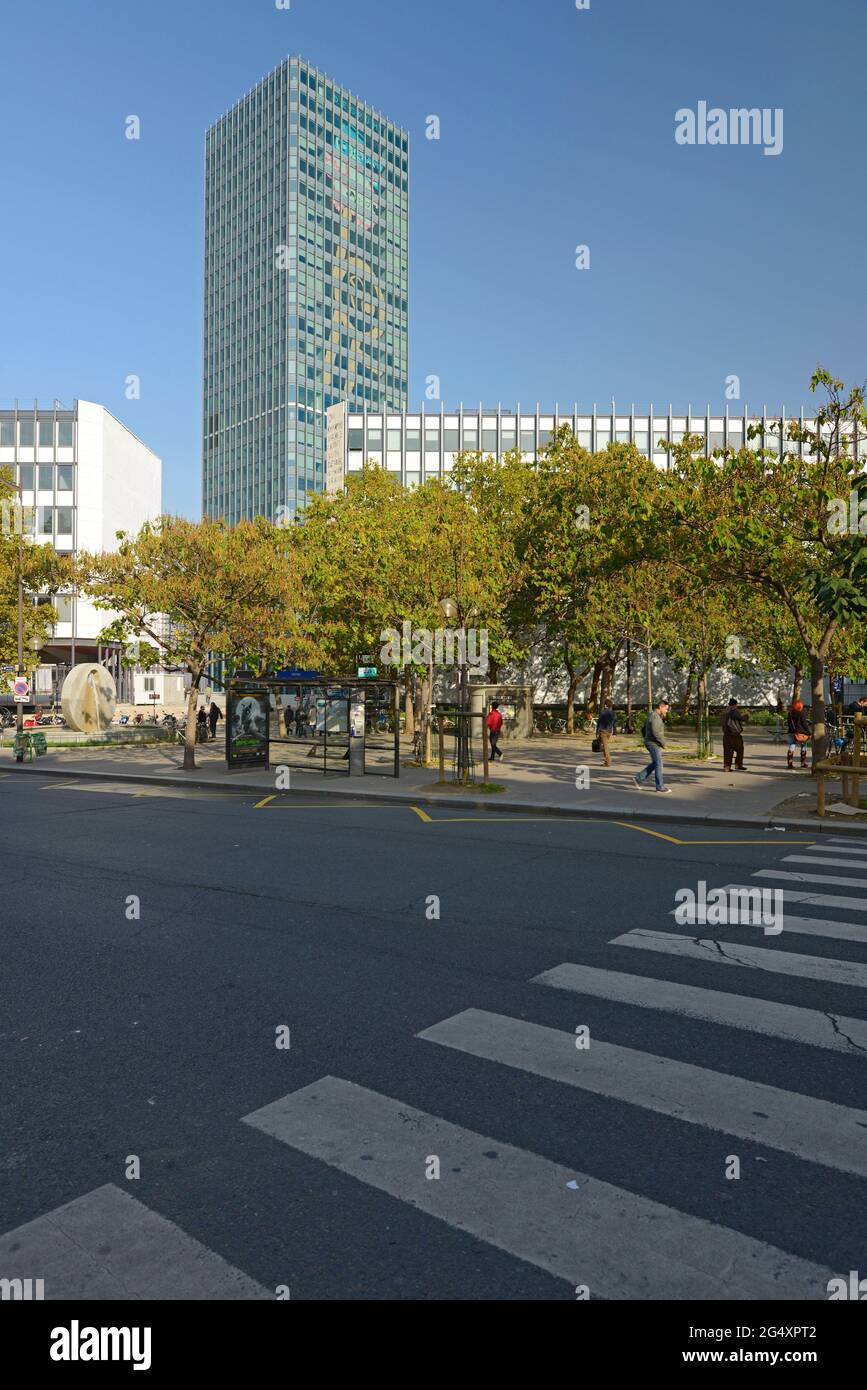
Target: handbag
[(802, 738), (597, 745)]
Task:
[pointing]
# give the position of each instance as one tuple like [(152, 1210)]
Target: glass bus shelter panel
[(381, 732)]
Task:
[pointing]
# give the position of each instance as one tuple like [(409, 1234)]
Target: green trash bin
[(22, 748)]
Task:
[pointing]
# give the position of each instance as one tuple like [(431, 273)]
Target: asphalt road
[(154, 1037)]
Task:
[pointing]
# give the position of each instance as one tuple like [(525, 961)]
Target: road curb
[(670, 815)]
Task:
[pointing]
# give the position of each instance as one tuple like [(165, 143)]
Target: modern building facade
[(424, 444), (306, 285), (84, 476)]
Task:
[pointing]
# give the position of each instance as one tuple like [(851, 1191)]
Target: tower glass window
[(306, 280)]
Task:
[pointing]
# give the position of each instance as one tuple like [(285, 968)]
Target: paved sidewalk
[(538, 775)]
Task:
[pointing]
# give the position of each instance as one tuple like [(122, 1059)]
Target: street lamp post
[(20, 708), (451, 612)]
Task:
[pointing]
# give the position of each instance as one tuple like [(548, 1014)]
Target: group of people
[(800, 733), (207, 721)]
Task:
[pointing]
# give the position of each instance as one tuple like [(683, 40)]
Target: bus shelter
[(340, 727)]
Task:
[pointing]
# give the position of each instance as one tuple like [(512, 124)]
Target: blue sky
[(557, 129)]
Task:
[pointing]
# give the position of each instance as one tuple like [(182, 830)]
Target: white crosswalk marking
[(816, 1130), (834, 880), (108, 1245), (847, 841), (813, 926), (795, 895), (621, 1245), (788, 1021), (837, 848), (837, 972), (833, 863)]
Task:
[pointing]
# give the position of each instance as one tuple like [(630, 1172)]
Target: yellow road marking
[(266, 802), (422, 815)]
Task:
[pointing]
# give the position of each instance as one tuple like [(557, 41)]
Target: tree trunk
[(817, 685), (570, 699), (190, 736), (593, 702), (688, 692), (609, 673), (797, 683), (409, 712), (428, 716), (702, 729)]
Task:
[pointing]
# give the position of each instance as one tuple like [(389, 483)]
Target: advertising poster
[(247, 719)]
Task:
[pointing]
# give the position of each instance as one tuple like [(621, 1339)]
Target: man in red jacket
[(494, 722)]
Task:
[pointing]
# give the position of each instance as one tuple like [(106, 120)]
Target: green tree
[(43, 570), (195, 589), (577, 579), (765, 518)]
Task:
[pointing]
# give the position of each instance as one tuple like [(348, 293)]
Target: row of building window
[(41, 477), (29, 431), (48, 521)]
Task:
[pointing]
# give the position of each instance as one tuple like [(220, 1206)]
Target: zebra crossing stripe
[(621, 1245), (833, 879), (108, 1245), (815, 1130), (787, 1021), (823, 863), (840, 843), (794, 895), (814, 926), (835, 972)]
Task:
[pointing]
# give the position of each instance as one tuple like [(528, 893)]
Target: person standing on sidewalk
[(733, 737), (605, 729), (800, 733), (215, 714), (494, 722), (654, 742)]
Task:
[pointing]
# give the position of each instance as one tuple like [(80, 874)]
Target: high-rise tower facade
[(306, 285)]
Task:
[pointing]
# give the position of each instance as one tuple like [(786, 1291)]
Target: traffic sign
[(21, 690)]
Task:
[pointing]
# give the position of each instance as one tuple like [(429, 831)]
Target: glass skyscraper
[(306, 285)]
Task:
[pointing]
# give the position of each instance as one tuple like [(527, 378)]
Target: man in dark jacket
[(215, 714), (733, 737), (605, 729)]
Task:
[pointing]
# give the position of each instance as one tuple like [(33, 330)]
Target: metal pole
[(485, 740), (20, 709)]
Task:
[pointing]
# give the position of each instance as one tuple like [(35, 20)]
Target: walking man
[(654, 742), (215, 714), (605, 729), (733, 738), (494, 722)]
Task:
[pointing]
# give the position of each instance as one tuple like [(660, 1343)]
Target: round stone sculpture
[(89, 699)]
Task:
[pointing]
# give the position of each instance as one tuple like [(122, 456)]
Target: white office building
[(419, 445), (84, 476)]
